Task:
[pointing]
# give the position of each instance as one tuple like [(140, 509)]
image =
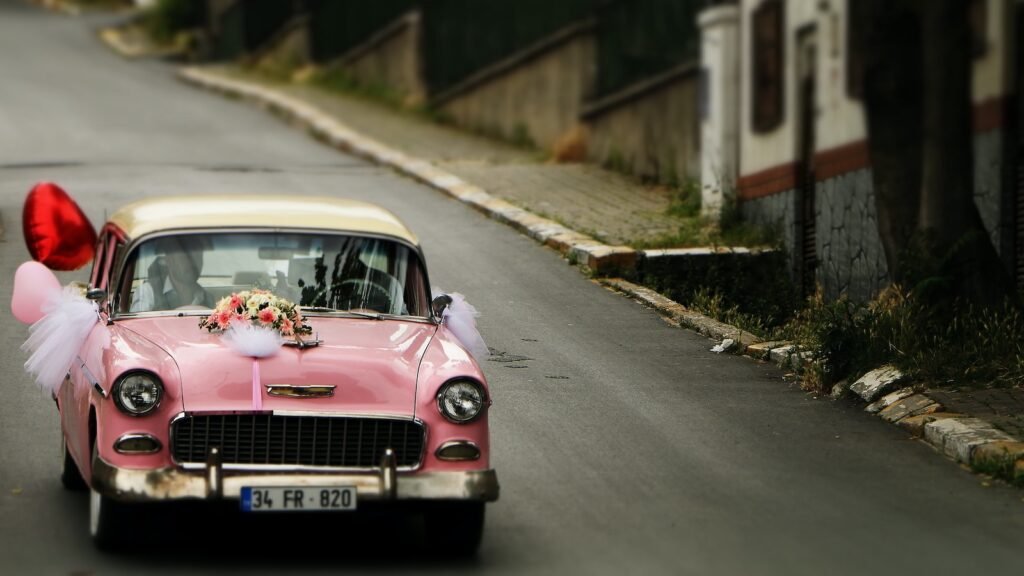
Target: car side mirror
[(439, 304), (96, 294)]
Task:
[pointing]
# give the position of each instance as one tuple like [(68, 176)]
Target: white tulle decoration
[(55, 340), (253, 341), (460, 317)]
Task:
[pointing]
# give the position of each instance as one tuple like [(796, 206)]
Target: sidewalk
[(602, 204)]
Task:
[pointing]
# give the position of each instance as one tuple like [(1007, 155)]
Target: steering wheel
[(364, 293)]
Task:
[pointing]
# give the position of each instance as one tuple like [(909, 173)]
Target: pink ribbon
[(257, 388)]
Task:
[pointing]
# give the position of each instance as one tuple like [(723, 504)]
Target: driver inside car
[(172, 278)]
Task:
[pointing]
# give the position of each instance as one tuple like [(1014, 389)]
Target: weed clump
[(957, 344)]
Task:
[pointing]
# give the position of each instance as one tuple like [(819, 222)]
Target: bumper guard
[(214, 482)]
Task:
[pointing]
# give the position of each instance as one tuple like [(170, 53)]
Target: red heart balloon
[(57, 232)]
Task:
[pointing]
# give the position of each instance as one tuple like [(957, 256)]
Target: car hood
[(372, 364)]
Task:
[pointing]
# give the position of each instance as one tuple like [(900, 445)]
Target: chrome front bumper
[(214, 482)]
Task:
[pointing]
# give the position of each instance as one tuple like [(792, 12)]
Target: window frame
[(124, 279)]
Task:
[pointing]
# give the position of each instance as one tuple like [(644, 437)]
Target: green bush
[(686, 200), (168, 17)]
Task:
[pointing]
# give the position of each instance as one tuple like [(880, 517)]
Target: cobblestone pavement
[(1003, 407), (608, 206)]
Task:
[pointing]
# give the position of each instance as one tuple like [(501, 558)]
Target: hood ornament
[(303, 344), (296, 391)]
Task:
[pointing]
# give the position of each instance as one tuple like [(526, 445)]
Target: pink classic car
[(379, 402)]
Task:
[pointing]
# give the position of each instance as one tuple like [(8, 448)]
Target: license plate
[(295, 499)]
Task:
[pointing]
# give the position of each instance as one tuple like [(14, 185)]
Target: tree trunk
[(949, 221), (889, 37)]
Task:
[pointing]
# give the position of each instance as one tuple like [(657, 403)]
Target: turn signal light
[(459, 450), (137, 444)]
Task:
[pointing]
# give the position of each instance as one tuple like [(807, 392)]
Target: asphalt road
[(623, 446)]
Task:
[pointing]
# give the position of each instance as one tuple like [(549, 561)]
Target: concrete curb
[(683, 316), (578, 248), (967, 440), (69, 8), (112, 37)]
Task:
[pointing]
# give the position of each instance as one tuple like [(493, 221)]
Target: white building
[(783, 129)]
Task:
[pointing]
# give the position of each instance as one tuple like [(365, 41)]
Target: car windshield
[(324, 271)]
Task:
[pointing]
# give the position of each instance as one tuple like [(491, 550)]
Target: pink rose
[(223, 318), (286, 327), (236, 302), (267, 316)]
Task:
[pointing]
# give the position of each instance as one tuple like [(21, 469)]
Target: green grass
[(340, 81)]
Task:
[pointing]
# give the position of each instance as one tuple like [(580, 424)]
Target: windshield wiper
[(370, 315), (316, 309)]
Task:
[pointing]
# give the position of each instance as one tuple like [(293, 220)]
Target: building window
[(769, 65)]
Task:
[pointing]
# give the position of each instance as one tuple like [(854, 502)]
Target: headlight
[(138, 393), (461, 400)]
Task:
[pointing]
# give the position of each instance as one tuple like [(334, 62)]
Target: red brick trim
[(987, 115), (767, 182), (841, 159), (990, 114)]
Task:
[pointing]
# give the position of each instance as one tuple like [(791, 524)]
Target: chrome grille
[(344, 442)]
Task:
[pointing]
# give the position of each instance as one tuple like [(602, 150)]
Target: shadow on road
[(218, 535)]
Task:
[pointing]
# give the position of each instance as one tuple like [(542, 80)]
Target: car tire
[(108, 521), (70, 476), (454, 528)]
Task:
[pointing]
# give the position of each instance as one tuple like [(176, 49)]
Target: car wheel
[(454, 528), (70, 476), (107, 522)]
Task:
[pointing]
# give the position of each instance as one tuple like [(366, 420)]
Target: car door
[(79, 386)]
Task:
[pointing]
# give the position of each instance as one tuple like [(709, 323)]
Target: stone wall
[(988, 182), (390, 61), (651, 130), (851, 259), (777, 212), (531, 98)]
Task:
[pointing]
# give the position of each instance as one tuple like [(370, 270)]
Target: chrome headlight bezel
[(451, 385), (115, 392)]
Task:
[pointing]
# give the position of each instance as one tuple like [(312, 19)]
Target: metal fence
[(637, 39), (336, 26), (461, 37), (245, 26)]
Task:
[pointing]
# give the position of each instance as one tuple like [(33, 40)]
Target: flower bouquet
[(254, 324), (258, 308)]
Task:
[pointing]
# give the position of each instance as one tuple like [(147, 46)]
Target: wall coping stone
[(638, 89), (515, 60)]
